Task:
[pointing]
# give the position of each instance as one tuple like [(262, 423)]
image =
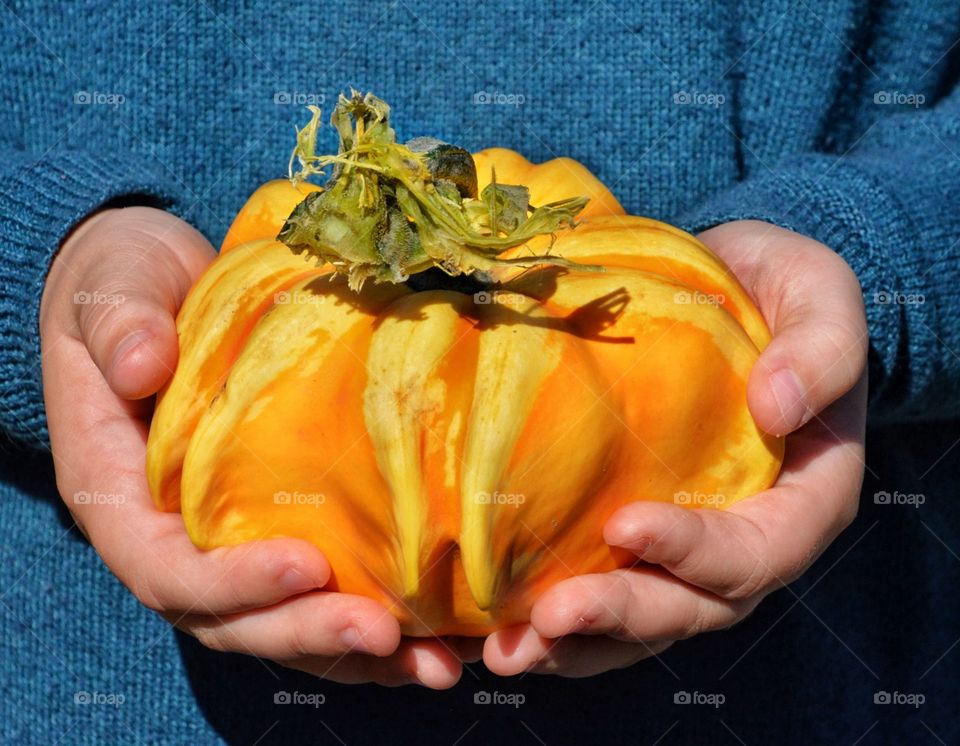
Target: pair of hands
[(109, 341)]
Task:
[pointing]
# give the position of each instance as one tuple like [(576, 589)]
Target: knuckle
[(619, 611), (758, 581), (619, 626), (848, 343), (759, 578), (691, 622), (691, 527), (233, 598), (148, 594), (297, 641), (713, 617), (229, 594), (153, 585), (688, 556), (697, 624), (98, 321)]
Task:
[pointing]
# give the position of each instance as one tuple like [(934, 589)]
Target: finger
[(520, 649), (133, 344), (767, 540), (424, 663), (314, 624), (343, 638), (632, 605), (819, 345), (717, 550), (152, 555), (127, 303), (100, 476)]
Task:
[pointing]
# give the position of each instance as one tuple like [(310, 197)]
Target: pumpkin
[(455, 453)]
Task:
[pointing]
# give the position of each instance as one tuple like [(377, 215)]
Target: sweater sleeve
[(41, 199), (890, 206)]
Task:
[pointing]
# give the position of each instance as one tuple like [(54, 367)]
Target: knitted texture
[(836, 119), (886, 220), (835, 123), (40, 200)]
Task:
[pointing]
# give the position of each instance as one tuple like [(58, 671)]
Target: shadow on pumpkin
[(589, 321)]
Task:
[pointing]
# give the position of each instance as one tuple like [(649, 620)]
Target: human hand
[(109, 341), (708, 569)]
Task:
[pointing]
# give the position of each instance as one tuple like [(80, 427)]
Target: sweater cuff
[(829, 200), (40, 201)]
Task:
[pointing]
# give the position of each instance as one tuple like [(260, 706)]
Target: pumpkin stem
[(389, 210)]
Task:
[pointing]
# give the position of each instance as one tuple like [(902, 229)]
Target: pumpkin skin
[(454, 456)]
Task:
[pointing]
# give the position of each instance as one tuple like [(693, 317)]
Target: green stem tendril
[(390, 210)]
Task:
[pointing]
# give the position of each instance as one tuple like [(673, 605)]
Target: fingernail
[(632, 536), (294, 580), (639, 544), (128, 343), (351, 639), (788, 393)]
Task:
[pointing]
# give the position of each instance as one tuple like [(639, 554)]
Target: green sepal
[(390, 210)]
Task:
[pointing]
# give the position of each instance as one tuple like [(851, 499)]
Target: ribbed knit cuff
[(831, 201), (40, 201)]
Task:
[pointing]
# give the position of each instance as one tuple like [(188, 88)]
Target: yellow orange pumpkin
[(455, 455)]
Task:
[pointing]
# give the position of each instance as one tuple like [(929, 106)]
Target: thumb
[(127, 306), (819, 345)]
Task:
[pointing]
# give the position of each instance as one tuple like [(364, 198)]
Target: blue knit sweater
[(836, 119)]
